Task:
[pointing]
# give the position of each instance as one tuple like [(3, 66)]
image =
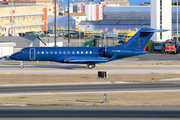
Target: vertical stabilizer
[(140, 39)]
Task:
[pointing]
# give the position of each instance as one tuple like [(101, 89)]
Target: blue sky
[(132, 2)]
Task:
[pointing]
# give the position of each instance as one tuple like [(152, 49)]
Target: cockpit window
[(23, 51)]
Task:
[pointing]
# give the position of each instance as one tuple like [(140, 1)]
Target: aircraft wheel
[(94, 65), (90, 66), (21, 66)]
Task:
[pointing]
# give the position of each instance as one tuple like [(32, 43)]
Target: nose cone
[(11, 57)]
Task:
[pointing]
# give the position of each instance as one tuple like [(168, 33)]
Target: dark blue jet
[(88, 55)]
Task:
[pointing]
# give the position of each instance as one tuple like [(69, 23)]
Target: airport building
[(25, 18), (127, 19), (78, 17), (121, 2), (12, 44), (93, 11), (161, 18), (49, 4)]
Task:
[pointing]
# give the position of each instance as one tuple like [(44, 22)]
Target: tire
[(90, 66), (21, 66)]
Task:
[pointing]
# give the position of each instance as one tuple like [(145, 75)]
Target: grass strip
[(96, 99), (79, 78)]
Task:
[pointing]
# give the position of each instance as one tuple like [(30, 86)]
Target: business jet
[(88, 55)]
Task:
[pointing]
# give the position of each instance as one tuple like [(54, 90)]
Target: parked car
[(157, 46), (51, 35), (4, 58)]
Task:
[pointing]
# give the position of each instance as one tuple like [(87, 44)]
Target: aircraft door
[(32, 54)]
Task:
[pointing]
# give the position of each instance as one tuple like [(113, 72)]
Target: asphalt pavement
[(74, 112)]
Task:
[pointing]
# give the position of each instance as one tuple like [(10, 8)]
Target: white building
[(90, 10), (6, 48), (161, 18)]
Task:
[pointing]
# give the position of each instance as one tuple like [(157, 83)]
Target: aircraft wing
[(86, 59)]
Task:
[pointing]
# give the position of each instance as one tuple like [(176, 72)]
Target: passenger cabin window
[(42, 52), (86, 52), (90, 52), (47, 52), (64, 52), (72, 52), (59, 52), (68, 52), (38, 52), (77, 52), (55, 52), (23, 51), (81, 52), (51, 52)]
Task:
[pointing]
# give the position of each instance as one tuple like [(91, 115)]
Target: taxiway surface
[(90, 112), (114, 67)]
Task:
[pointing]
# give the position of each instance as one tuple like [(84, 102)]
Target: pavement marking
[(178, 72), (8, 73)]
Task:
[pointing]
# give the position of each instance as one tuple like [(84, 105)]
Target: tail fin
[(141, 38)]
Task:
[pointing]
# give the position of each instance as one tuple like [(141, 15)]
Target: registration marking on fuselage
[(8, 73)]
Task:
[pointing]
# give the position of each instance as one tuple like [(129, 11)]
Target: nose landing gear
[(91, 65), (22, 65)]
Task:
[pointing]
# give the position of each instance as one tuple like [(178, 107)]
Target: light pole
[(85, 33), (68, 25), (55, 24), (79, 35), (177, 21), (12, 17)]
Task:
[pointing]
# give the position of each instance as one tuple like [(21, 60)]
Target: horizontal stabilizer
[(109, 36), (85, 59), (152, 30)]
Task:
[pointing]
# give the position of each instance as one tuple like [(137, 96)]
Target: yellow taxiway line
[(178, 72), (8, 73)]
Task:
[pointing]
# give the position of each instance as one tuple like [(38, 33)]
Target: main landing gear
[(91, 65), (22, 65)]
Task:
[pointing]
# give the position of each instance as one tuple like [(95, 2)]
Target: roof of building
[(74, 14), (116, 22), (58, 18), (6, 5), (88, 22), (24, 41), (134, 9)]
